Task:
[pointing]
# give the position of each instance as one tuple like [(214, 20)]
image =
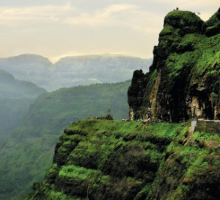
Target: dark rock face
[(130, 160), (101, 165), (136, 92), (115, 160), (184, 78)]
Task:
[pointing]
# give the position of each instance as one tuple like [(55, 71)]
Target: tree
[(109, 115)]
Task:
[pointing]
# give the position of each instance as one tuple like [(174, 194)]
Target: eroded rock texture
[(114, 160), (184, 78)]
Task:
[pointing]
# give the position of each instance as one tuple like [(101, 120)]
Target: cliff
[(183, 81), (31, 145), (101, 159)]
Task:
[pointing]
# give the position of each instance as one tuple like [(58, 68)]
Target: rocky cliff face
[(114, 160), (184, 78), (34, 140)]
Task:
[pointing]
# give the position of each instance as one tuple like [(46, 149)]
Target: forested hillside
[(27, 153), (15, 98)]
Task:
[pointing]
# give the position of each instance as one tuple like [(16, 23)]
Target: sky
[(59, 28)]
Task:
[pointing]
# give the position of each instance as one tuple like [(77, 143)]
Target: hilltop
[(29, 67), (107, 159), (184, 78)]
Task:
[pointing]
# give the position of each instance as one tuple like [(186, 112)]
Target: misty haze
[(109, 100)]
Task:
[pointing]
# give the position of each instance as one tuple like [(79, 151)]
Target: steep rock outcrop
[(100, 159), (114, 160), (184, 78)]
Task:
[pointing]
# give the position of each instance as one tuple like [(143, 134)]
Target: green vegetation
[(27, 153), (187, 66), (187, 21), (213, 24), (108, 159), (102, 159), (192, 51)]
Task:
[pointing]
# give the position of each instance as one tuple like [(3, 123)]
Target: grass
[(134, 156), (75, 172), (28, 152)]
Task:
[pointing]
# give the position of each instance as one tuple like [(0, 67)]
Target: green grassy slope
[(100, 159), (27, 154)]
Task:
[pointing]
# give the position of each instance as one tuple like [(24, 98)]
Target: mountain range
[(27, 152), (169, 150), (15, 98), (73, 71)]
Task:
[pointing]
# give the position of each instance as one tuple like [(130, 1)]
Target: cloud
[(11, 15), (131, 26), (206, 8), (123, 15), (190, 4), (99, 17), (55, 58), (133, 16)]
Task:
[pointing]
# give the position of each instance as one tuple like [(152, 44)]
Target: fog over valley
[(73, 71), (109, 100)]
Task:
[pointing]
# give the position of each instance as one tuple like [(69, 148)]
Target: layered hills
[(73, 71), (107, 68), (15, 98), (27, 153), (107, 159), (28, 67)]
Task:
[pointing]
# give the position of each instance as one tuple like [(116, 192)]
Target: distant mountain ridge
[(153, 159), (73, 70), (10, 87), (29, 58), (27, 153), (15, 98), (6, 77), (28, 67)]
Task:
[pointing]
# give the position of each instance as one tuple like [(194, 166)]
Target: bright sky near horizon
[(58, 28)]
